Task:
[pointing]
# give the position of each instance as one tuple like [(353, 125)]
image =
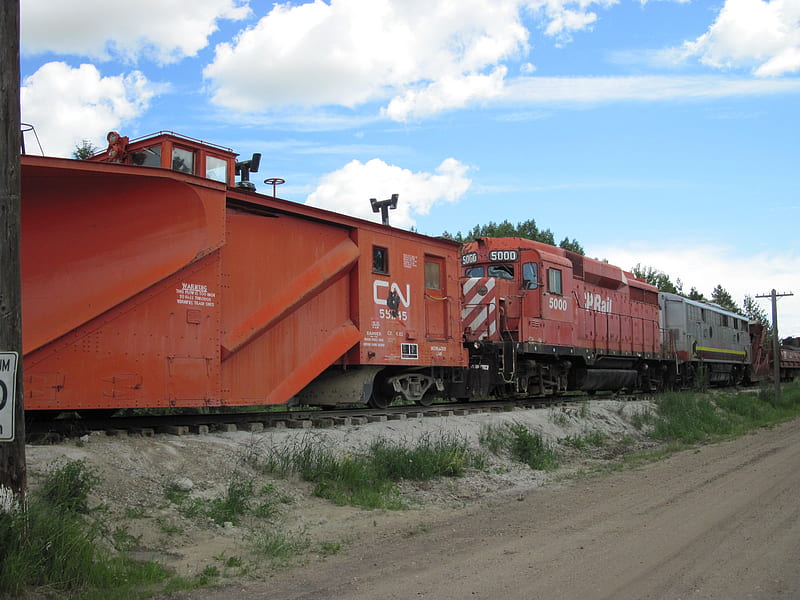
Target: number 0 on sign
[(8, 394)]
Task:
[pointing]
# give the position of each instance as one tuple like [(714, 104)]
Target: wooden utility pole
[(13, 473), (776, 342)]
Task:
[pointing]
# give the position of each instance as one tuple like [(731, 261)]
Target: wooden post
[(776, 342), (13, 473)]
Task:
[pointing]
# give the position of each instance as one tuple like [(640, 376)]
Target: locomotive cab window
[(216, 169), (530, 276), (554, 281), (147, 157), (380, 260), (502, 271), (182, 160), (474, 272)]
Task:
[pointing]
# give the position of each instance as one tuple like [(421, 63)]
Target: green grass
[(239, 500), (643, 418), (278, 546), (590, 439), (60, 545), (522, 444), (368, 478), (696, 417)]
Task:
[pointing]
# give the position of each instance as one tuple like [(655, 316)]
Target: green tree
[(694, 294), (754, 312), (525, 229), (657, 278), (84, 150), (721, 296), (572, 245)]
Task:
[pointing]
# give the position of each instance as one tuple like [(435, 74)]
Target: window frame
[(175, 154), (508, 270), (380, 266), (551, 273), (530, 284), (428, 273)]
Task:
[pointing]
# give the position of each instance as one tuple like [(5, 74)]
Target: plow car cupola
[(168, 150)]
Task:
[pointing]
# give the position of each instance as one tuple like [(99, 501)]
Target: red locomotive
[(548, 320)]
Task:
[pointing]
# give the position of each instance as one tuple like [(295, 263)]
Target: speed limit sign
[(8, 394)]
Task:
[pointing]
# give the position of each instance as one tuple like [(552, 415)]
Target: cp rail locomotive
[(151, 278)]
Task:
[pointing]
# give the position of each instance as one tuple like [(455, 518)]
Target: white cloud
[(764, 36), (67, 105), (563, 17), (163, 30), (348, 52), (447, 93), (421, 57), (706, 266), (588, 90), (349, 189)]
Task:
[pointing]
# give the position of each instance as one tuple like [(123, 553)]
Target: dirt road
[(722, 521)]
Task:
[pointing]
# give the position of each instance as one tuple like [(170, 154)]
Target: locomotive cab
[(517, 290)]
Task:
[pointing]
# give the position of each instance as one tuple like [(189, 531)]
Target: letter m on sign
[(8, 387)]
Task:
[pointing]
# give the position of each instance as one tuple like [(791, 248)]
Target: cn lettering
[(405, 300)]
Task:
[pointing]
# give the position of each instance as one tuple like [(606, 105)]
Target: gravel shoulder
[(717, 522)]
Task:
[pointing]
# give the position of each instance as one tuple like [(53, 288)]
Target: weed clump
[(368, 478), (522, 444), (239, 499), (60, 543)]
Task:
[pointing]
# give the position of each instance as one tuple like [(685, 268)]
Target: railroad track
[(70, 425)]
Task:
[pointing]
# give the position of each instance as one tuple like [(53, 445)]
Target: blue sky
[(660, 132)]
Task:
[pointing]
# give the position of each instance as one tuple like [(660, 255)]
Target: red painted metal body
[(155, 287), (547, 296)]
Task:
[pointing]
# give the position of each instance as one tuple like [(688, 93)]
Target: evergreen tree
[(754, 312), (694, 294), (572, 245), (84, 150), (657, 278), (721, 296), (526, 229)]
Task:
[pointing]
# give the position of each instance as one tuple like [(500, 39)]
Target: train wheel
[(383, 394), (380, 401), (427, 398)]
